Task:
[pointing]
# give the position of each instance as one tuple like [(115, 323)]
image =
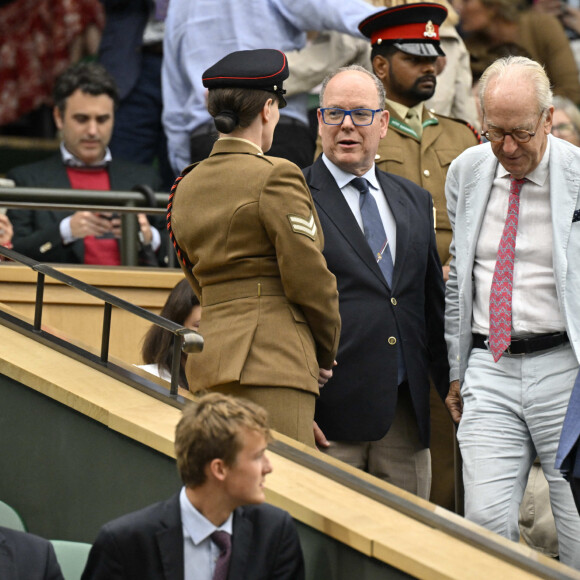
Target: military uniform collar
[(401, 111), (254, 145)]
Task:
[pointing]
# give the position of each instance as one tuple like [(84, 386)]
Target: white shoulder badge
[(303, 226)]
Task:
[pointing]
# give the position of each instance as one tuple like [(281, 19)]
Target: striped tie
[(374, 229), (376, 238)]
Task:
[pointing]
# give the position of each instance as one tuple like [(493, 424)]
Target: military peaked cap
[(411, 28), (265, 69)]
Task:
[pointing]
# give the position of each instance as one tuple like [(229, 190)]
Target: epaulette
[(463, 122), (181, 256), (472, 129)]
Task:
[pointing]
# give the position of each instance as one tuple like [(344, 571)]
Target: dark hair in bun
[(226, 121), (235, 107)]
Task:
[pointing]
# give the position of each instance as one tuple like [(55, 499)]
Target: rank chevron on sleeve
[(303, 226)]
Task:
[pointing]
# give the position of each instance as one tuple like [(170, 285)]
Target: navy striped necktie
[(374, 229), (379, 244)]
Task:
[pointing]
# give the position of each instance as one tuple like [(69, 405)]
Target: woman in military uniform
[(250, 243)]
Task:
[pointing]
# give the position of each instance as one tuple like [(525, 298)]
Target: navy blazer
[(37, 234), (568, 457), (148, 545), (359, 402), (27, 557)]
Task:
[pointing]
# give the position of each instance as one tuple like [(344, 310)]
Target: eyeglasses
[(359, 117), (497, 135)]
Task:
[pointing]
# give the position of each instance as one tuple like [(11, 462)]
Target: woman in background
[(182, 307)]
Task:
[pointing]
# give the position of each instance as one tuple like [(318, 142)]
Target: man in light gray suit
[(513, 300)]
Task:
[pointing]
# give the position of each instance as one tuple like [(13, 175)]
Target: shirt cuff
[(155, 239), (65, 231)]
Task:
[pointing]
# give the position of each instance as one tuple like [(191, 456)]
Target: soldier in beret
[(250, 243), (420, 145)]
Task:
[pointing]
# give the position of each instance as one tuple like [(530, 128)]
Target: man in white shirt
[(217, 527), (512, 301)]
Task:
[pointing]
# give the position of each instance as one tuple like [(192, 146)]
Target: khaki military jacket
[(426, 161), (250, 243)]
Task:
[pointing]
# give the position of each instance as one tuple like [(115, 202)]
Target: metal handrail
[(127, 203), (193, 342), (44, 197), (184, 339)]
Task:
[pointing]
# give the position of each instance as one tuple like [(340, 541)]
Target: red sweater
[(101, 251)]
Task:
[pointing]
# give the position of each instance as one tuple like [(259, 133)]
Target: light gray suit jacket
[(467, 190)]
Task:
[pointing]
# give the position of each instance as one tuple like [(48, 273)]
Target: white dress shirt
[(199, 552), (535, 307), (352, 196)]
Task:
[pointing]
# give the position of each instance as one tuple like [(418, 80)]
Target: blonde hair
[(210, 429)]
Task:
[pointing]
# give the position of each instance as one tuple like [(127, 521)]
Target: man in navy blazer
[(27, 557), (220, 445), (375, 408)]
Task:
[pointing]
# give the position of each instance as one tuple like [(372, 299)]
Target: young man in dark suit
[(375, 409), (220, 445), (85, 97)]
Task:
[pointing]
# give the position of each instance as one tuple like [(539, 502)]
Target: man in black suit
[(375, 409), (220, 445), (27, 557), (85, 96)]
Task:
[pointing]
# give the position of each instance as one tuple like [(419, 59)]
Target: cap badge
[(429, 30)]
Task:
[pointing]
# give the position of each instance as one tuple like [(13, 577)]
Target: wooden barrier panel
[(418, 546), (80, 316)]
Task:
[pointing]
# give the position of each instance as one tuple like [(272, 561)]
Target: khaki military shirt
[(426, 161)]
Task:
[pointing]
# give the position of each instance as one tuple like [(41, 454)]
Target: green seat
[(72, 557), (9, 518)]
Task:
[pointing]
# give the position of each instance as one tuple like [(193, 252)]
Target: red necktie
[(500, 298), (224, 542)]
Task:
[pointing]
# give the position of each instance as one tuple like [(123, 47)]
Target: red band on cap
[(418, 31)]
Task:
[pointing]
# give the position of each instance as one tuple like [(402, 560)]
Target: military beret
[(263, 69), (411, 28)]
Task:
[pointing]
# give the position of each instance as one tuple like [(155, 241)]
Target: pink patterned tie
[(500, 299)]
